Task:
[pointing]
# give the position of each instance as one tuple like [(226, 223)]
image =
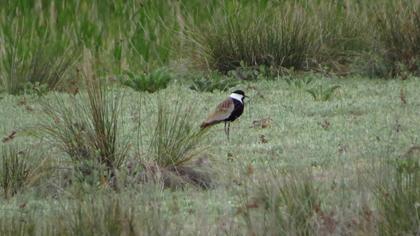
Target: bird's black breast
[(237, 110)]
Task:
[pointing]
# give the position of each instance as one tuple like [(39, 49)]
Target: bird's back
[(228, 110)]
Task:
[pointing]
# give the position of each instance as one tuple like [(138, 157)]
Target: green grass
[(321, 148), (398, 196), (327, 150), (86, 128), (284, 202), (175, 137), (42, 41), (156, 80), (399, 35), (15, 170)]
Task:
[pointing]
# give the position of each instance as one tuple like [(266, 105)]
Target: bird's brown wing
[(222, 112)]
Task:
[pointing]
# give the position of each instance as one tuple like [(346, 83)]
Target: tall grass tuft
[(280, 36), (176, 137), (175, 155), (345, 34), (105, 215), (126, 213), (156, 80), (397, 25), (15, 170), (398, 197), (32, 54), (87, 127), (20, 223), (282, 204)]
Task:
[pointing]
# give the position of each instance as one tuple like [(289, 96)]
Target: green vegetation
[(320, 93), (15, 170), (285, 203), (156, 80), (213, 82), (42, 41), (337, 166), (398, 196), (101, 101), (86, 128), (175, 137)]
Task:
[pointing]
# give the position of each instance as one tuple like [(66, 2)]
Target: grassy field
[(337, 152), (101, 103)]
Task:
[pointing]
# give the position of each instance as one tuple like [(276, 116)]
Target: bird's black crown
[(239, 92)]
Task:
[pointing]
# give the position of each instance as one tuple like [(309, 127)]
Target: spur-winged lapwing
[(227, 111)]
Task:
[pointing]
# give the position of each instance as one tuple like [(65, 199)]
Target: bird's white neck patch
[(236, 96)]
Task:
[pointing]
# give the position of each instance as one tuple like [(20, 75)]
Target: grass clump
[(399, 36), (176, 154), (344, 32), (99, 216), (15, 170), (398, 196), (176, 138), (278, 36), (285, 204), (87, 128), (320, 93), (31, 56), (299, 83), (152, 82), (19, 223), (212, 82)]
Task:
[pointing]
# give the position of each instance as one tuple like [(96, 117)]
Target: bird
[(227, 111)]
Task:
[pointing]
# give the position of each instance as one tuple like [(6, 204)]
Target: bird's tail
[(205, 125), (209, 123)]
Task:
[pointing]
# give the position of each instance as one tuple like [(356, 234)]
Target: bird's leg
[(225, 128), (228, 130)]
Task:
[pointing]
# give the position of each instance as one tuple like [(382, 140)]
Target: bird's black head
[(240, 92), (238, 95)]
